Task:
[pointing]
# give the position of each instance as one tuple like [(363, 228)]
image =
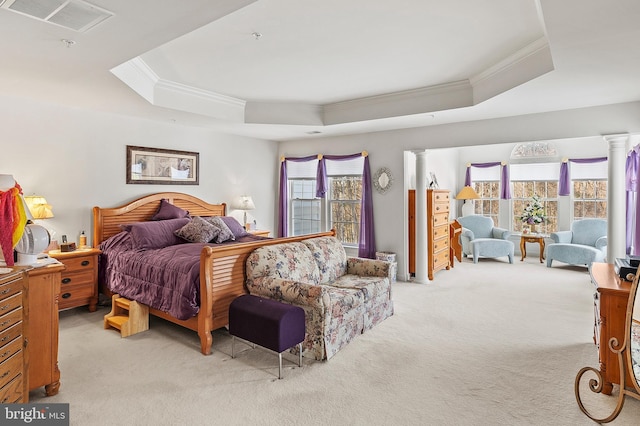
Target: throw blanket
[(13, 219), (167, 279)]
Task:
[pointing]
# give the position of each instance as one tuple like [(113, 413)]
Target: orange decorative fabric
[(13, 219)]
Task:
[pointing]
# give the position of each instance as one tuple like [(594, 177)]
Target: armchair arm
[(369, 267), (601, 243), (561, 236), (467, 233), (500, 233), (293, 292)]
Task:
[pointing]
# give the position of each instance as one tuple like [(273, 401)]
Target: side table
[(79, 285), (532, 238)]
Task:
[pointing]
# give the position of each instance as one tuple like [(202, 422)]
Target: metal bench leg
[(233, 344), (299, 354), (280, 365)]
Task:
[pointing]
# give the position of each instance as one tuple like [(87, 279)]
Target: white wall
[(76, 159), (486, 140)]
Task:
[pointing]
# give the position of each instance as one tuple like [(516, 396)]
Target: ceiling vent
[(77, 15)]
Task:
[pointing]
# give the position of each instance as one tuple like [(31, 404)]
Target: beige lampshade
[(467, 193), (38, 207)]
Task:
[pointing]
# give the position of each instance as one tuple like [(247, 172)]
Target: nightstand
[(79, 285), (259, 232)]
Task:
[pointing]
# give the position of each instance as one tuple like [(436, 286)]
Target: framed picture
[(162, 166)]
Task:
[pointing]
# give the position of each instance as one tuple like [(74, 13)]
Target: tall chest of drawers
[(438, 242), (13, 380)]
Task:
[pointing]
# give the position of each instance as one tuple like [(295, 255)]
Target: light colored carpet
[(484, 344)]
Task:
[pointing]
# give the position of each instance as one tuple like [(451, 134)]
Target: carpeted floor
[(484, 344)]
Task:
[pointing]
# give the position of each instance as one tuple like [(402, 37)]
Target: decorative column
[(616, 214), (421, 217)]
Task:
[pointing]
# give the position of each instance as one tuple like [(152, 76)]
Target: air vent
[(77, 15)]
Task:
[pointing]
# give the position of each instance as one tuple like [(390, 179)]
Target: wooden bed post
[(205, 314)]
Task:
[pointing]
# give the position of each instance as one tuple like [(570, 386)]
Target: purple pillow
[(169, 211), (236, 229), (154, 235)]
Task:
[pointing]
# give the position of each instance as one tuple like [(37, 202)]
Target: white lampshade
[(245, 202), (34, 241)]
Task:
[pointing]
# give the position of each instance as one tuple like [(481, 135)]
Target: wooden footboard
[(222, 272)]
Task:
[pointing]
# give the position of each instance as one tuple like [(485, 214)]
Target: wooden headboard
[(107, 221)]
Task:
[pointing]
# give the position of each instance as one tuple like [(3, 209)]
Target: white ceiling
[(287, 69)]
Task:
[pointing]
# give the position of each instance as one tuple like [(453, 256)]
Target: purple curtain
[(321, 179), (505, 190), (633, 212), (367, 242), (283, 224), (565, 180)]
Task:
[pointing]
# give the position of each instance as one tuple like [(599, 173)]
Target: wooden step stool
[(128, 316)]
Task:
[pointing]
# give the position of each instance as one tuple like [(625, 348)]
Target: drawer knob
[(6, 373), (85, 262), (4, 354), (66, 295), (5, 291), (66, 280)]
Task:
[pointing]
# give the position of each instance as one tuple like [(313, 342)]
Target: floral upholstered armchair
[(585, 243), (480, 238)]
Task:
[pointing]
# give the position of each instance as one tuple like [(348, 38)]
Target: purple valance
[(505, 190), (565, 179)]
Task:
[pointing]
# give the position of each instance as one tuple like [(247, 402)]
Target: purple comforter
[(167, 279)]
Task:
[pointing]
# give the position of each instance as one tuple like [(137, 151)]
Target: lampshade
[(245, 202), (38, 207), (467, 193)]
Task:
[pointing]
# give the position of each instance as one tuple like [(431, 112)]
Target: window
[(305, 208), (345, 195), (486, 183), (589, 199), (589, 182), (523, 192), (340, 210), (531, 179), (489, 202)]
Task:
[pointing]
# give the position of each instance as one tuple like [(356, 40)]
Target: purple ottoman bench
[(268, 323)]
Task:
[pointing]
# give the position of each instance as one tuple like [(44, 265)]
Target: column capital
[(616, 138)]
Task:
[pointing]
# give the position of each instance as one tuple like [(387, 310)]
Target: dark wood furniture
[(531, 238), (610, 308), (222, 268), (438, 242), (79, 281), (42, 327), (13, 357)]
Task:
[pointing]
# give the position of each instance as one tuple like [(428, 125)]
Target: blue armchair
[(480, 238), (584, 244)]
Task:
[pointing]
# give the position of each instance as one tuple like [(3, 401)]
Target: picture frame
[(158, 166)]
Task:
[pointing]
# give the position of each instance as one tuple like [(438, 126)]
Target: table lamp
[(245, 202), (467, 193)]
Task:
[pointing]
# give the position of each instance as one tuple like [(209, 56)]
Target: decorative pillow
[(235, 227), (224, 233), (198, 230), (169, 211), (153, 235)]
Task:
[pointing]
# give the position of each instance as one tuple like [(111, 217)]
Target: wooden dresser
[(42, 328), (13, 358), (610, 309), (438, 242), (79, 285)]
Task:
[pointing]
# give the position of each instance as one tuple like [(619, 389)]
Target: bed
[(221, 267)]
